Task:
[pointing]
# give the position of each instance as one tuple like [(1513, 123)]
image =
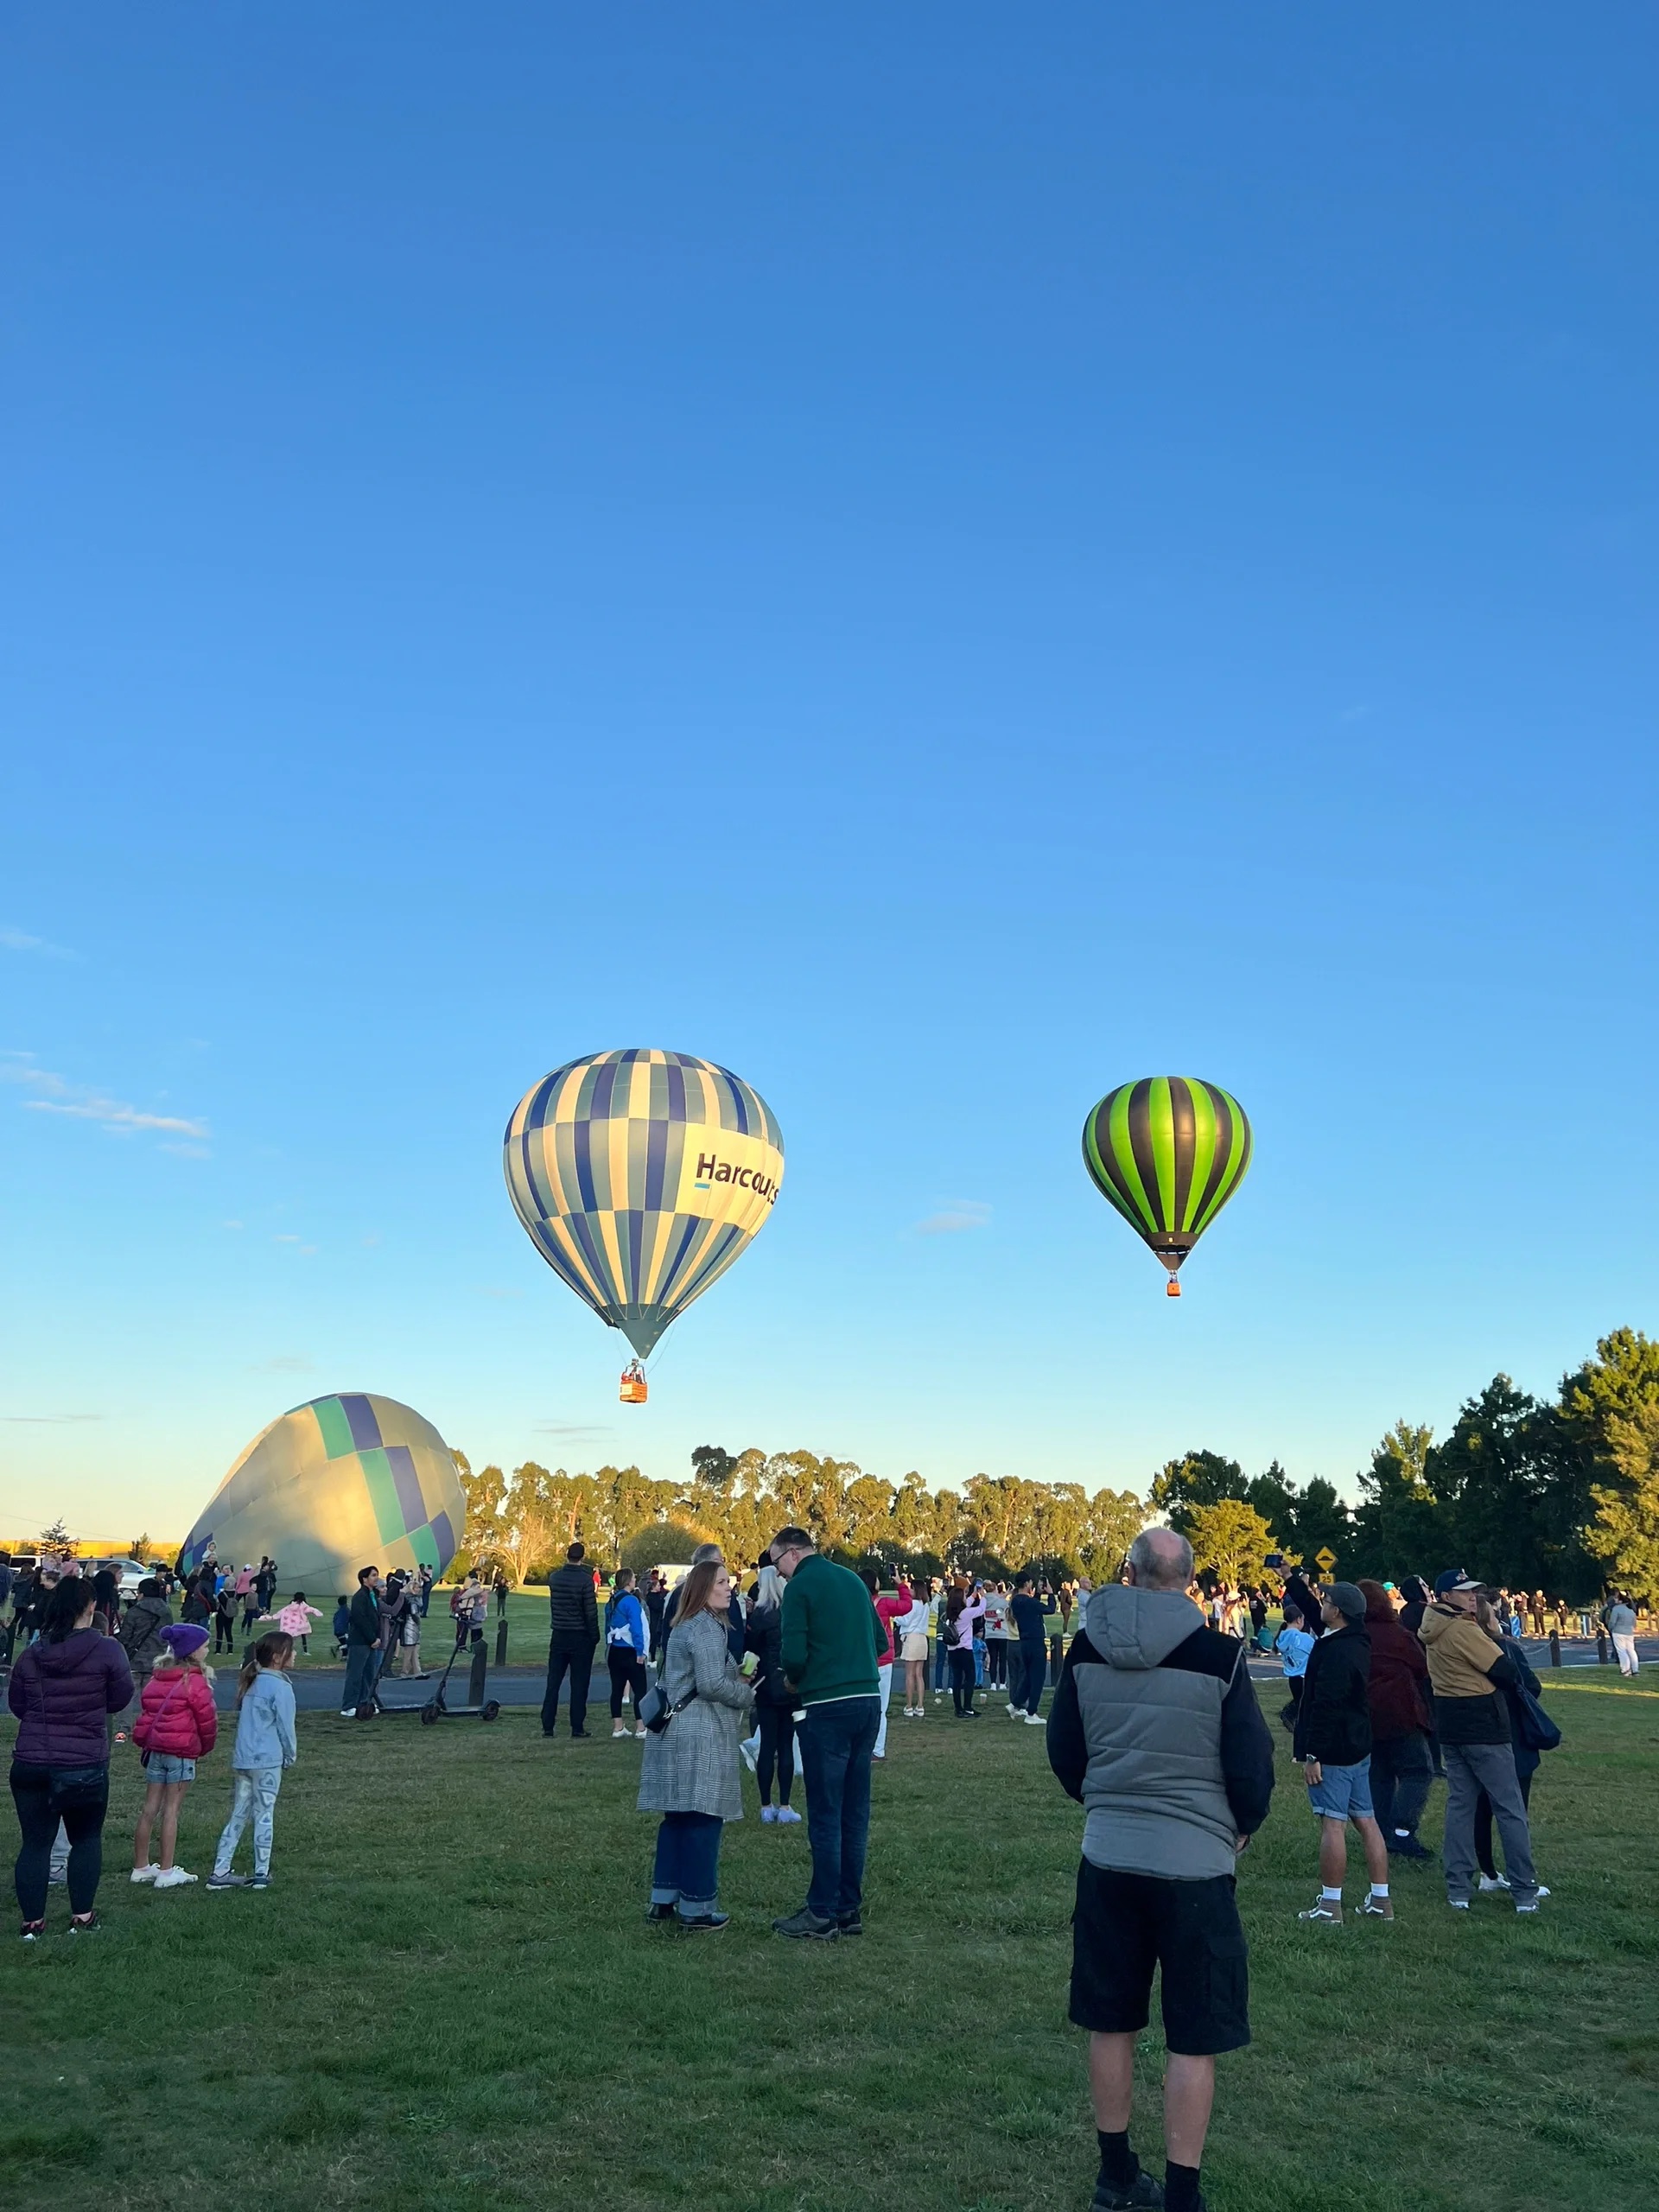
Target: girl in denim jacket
[(264, 1746)]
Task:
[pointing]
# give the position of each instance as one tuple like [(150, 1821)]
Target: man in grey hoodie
[(1155, 1730)]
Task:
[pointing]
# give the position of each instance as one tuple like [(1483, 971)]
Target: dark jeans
[(941, 1660), (627, 1673), (1293, 1686), (38, 1815), (1027, 1661), (579, 1658), (776, 1748), (1483, 1823), (996, 1661), (1400, 1773), (362, 1665), (836, 1741), (961, 1681), (224, 1634), (687, 1872)]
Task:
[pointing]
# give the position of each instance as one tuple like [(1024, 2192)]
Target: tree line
[(1559, 1495), (993, 1524)]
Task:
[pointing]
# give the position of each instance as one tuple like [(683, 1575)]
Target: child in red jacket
[(175, 1727)]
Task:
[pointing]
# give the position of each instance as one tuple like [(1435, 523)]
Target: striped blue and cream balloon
[(640, 1176)]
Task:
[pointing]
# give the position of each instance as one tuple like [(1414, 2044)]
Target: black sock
[(1180, 2187), (1117, 2161)]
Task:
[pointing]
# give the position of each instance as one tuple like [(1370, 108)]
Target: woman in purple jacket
[(63, 1689)]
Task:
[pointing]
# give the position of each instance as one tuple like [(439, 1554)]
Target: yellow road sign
[(1324, 1559)]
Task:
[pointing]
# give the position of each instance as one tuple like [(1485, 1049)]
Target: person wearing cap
[(1333, 1742), (1470, 1675)]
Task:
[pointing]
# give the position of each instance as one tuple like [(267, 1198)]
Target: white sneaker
[(144, 1874), (348, 1712), (173, 1878), (769, 1815), (750, 1747), (1014, 1713), (1033, 1720), (620, 1729), (788, 1817), (1487, 1882), (642, 1731)]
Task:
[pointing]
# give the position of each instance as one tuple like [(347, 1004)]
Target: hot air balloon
[(641, 1176), (1168, 1152), (341, 1482)]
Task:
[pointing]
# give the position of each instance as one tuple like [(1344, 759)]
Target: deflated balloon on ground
[(332, 1486)]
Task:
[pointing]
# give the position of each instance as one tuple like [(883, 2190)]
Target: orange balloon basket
[(633, 1391), (1172, 1289)]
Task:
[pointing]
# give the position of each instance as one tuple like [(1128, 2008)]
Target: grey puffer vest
[(1155, 1792)]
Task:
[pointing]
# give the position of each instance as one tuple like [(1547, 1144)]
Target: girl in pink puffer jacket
[(177, 1725)]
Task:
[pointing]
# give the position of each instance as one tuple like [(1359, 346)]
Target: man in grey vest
[(1155, 1730)]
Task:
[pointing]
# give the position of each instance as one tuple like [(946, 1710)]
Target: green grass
[(450, 1999)]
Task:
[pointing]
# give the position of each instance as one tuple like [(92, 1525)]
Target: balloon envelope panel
[(334, 1485), (641, 1176)]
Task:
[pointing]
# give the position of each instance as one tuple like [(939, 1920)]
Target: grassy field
[(449, 1998)]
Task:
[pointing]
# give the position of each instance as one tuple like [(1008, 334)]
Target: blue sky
[(943, 560)]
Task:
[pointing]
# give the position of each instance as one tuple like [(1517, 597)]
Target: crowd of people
[(67, 1687), (1154, 1727)]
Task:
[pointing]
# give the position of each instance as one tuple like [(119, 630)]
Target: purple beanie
[(182, 1637)]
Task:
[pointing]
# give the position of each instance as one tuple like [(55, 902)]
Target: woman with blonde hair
[(773, 1745), (690, 1774)]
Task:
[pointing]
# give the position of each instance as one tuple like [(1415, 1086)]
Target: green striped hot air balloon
[(1168, 1152)]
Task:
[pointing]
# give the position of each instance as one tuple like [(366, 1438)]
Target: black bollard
[(475, 1686), (1554, 1647), (501, 1642), (1602, 1652)]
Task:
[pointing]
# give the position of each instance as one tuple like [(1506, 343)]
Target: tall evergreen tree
[(1610, 1407), (1400, 1527), (1517, 1481)]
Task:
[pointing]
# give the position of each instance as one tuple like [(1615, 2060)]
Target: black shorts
[(1126, 1924)]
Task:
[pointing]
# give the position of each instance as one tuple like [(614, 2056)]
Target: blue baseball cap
[(1455, 1578)]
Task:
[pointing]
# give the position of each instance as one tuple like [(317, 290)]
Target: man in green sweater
[(830, 1648)]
